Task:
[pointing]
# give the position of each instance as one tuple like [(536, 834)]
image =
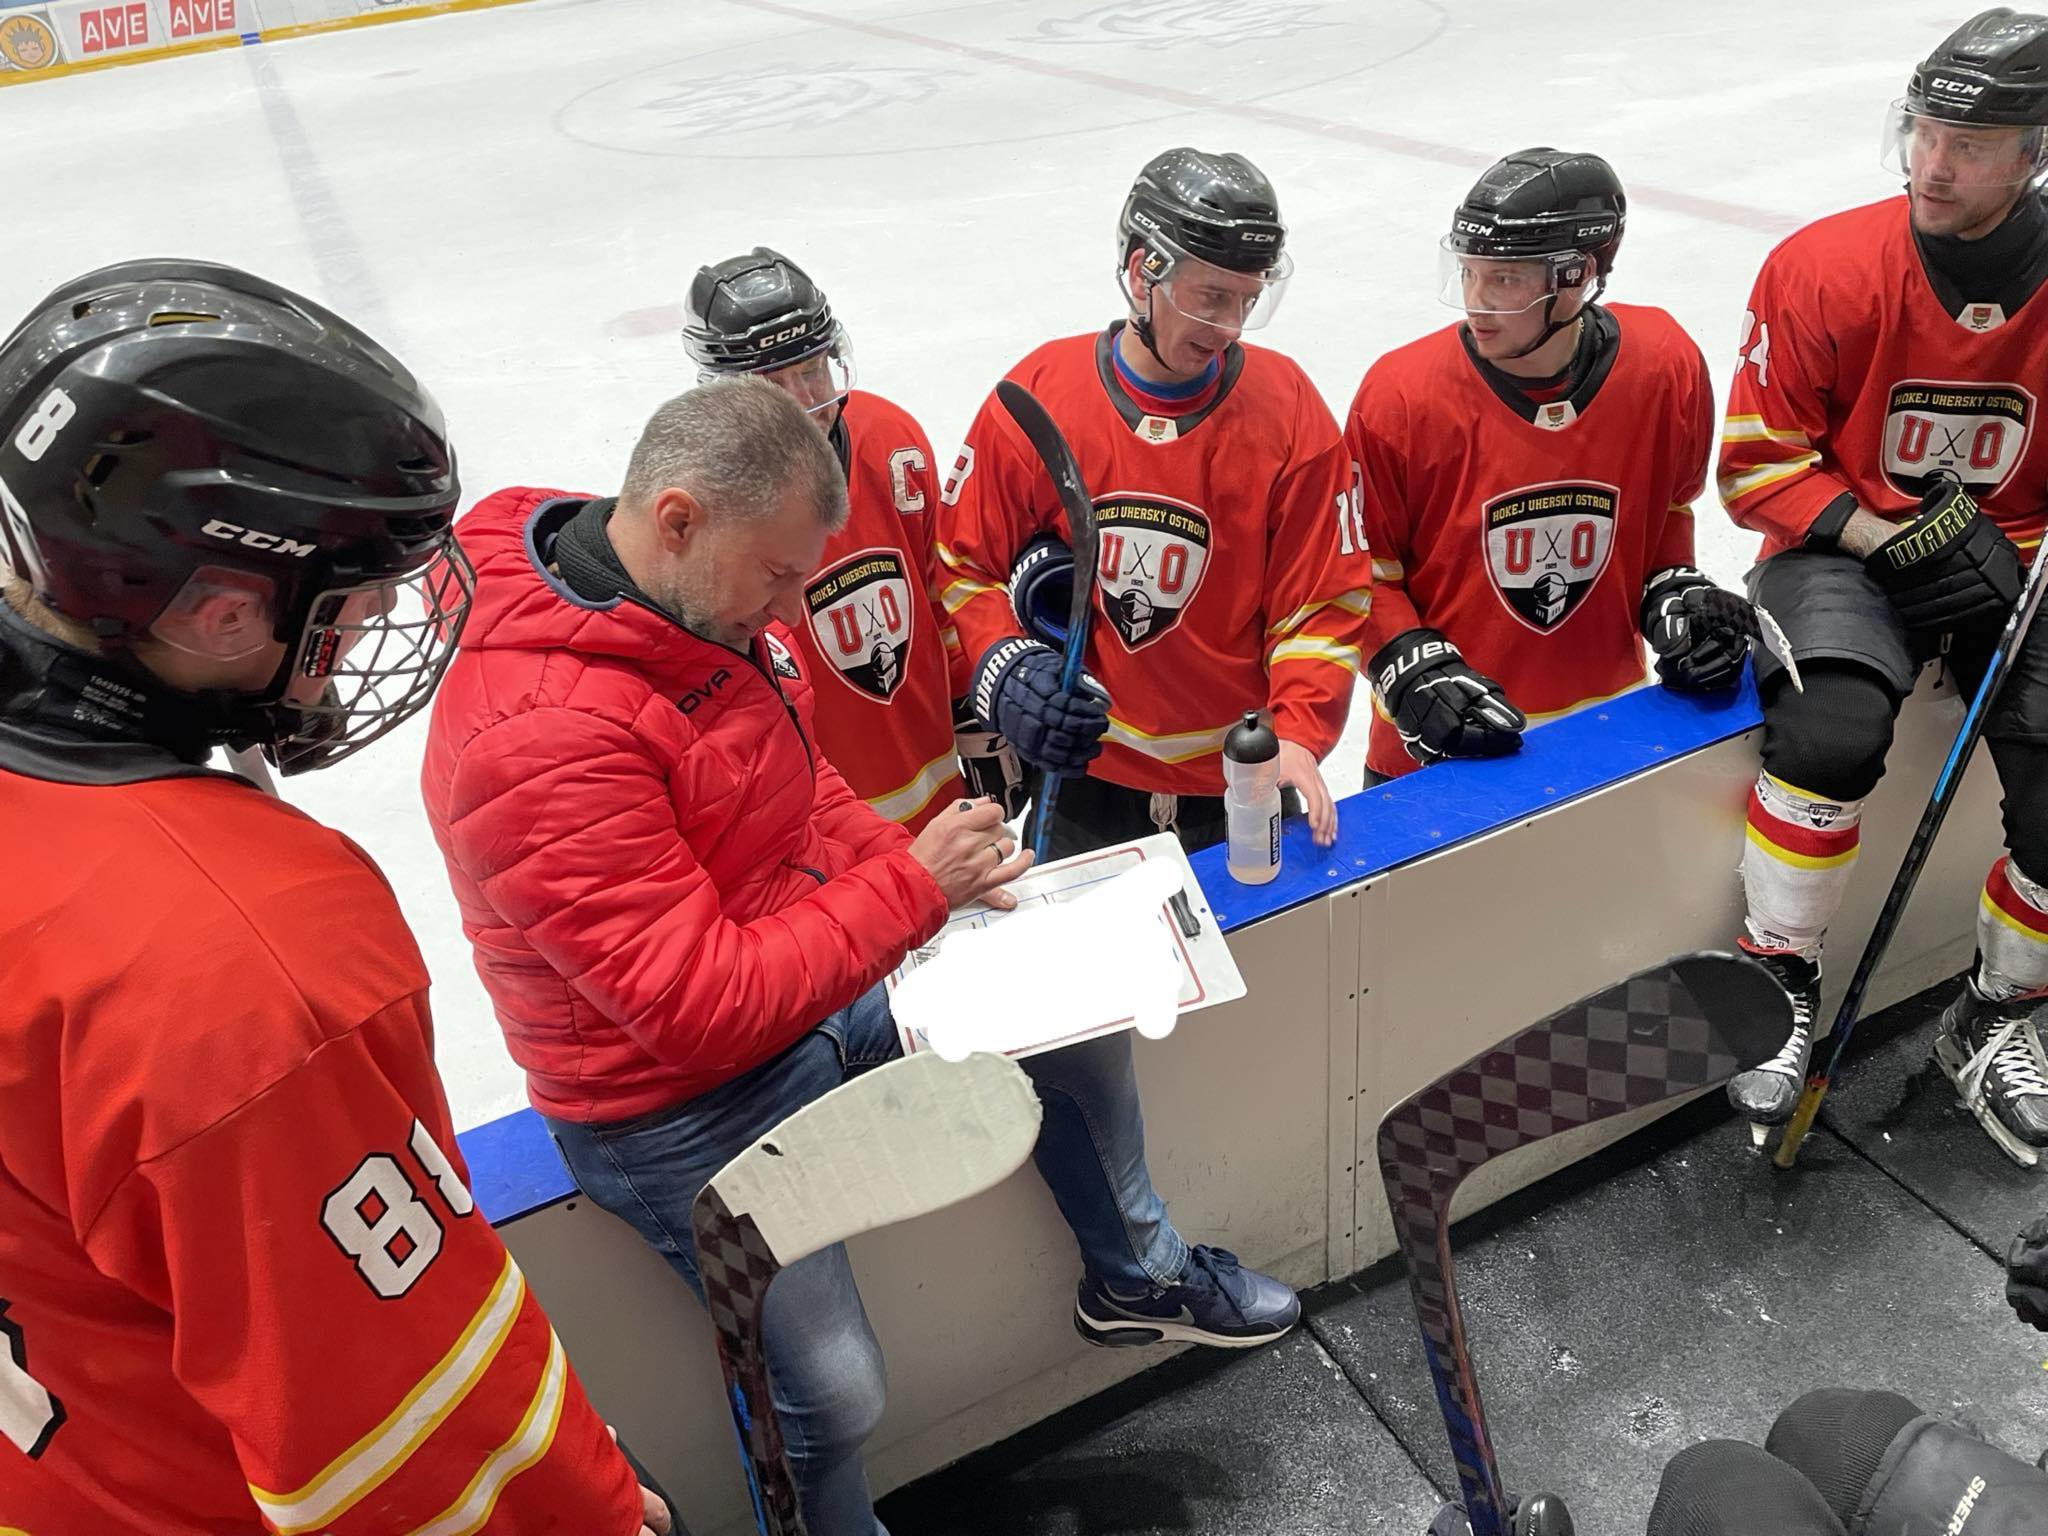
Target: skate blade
[(1951, 1064)]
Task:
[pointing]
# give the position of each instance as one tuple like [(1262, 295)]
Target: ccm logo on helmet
[(1956, 87), (1471, 227), (1256, 237), (256, 538), (777, 338)]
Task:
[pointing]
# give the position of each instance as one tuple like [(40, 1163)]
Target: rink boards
[(1457, 906)]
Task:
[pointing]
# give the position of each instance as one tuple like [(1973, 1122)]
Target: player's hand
[(1441, 707), (654, 1517), (1697, 652), (1299, 771), (971, 854), (1950, 565), (2026, 1275), (1017, 693)]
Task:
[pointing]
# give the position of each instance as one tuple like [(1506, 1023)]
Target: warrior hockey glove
[(1017, 694), (1949, 566), (989, 765), (1441, 707), (1699, 648), (2026, 1275)]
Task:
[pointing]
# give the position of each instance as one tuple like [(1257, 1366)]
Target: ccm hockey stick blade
[(903, 1140), (1058, 459), (1687, 1024), (1946, 783)]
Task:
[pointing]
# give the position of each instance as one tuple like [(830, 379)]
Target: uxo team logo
[(1971, 434), (862, 619), (1152, 553), (1546, 545), (27, 43), (1165, 23)]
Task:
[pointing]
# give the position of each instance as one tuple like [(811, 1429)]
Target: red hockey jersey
[(242, 1285), (1853, 376), (1232, 573), (879, 649), (1525, 531)]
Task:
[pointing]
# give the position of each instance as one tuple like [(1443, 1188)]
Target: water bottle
[(1251, 800)]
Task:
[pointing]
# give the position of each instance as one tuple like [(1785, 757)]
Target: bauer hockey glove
[(1017, 694), (989, 765), (2026, 1275), (1441, 707), (1948, 566), (1699, 647)]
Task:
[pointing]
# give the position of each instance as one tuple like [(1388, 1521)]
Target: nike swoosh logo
[(1184, 1315)]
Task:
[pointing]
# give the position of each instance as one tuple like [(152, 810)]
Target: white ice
[(515, 199)]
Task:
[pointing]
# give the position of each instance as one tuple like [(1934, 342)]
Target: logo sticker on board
[(1546, 546), (1970, 434), (27, 43), (862, 619), (1152, 554)]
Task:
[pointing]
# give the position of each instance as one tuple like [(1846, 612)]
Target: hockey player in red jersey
[(1528, 480), (883, 653), (1232, 571), (242, 1285), (1883, 434)]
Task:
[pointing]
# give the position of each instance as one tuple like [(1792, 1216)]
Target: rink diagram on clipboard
[(1208, 974)]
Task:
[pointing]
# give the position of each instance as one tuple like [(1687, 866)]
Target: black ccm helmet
[(1566, 210), (761, 313), (1991, 72), (1214, 208), (165, 424)]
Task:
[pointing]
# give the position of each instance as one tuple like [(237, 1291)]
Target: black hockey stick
[(902, 1140), (1058, 459), (1821, 1072), (1690, 1023)]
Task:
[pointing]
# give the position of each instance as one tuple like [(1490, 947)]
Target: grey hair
[(740, 447)]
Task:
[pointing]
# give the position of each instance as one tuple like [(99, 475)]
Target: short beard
[(680, 600)]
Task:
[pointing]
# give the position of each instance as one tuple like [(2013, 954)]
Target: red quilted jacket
[(664, 884)]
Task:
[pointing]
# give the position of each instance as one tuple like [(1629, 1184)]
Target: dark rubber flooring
[(1673, 1288)]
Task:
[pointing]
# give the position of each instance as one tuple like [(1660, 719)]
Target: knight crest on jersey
[(1546, 546), (1154, 552), (862, 618), (1971, 433)]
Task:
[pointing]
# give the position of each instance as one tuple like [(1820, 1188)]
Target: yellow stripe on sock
[(1799, 860)]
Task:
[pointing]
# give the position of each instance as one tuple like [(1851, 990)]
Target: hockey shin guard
[(1796, 862), (2012, 934)]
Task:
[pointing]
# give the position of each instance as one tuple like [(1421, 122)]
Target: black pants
[(1094, 813)]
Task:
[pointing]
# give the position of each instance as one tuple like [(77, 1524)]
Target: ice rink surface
[(515, 200)]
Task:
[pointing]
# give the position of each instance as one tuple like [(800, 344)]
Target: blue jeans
[(823, 1360)]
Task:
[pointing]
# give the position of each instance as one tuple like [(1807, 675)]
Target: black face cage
[(378, 649)]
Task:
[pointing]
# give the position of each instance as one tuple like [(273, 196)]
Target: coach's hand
[(1950, 565), (971, 854)]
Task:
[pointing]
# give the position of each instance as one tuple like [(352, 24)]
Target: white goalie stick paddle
[(903, 1140), (1732, 611), (1687, 1024)]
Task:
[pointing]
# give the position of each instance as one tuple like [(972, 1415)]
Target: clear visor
[(1493, 285), (1212, 295), (369, 659), (1932, 152), (816, 381)]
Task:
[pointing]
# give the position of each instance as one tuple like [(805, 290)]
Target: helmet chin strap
[(1552, 325)]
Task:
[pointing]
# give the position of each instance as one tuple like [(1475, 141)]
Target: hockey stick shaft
[(1058, 459), (1681, 1026), (2017, 625)]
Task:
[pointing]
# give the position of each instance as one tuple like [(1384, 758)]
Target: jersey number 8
[(378, 1219)]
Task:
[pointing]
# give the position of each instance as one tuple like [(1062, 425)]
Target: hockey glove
[(1441, 707), (988, 763), (2026, 1275), (1017, 694), (1949, 566), (1700, 649)]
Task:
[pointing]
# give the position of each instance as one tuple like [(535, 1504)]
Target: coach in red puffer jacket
[(663, 882)]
